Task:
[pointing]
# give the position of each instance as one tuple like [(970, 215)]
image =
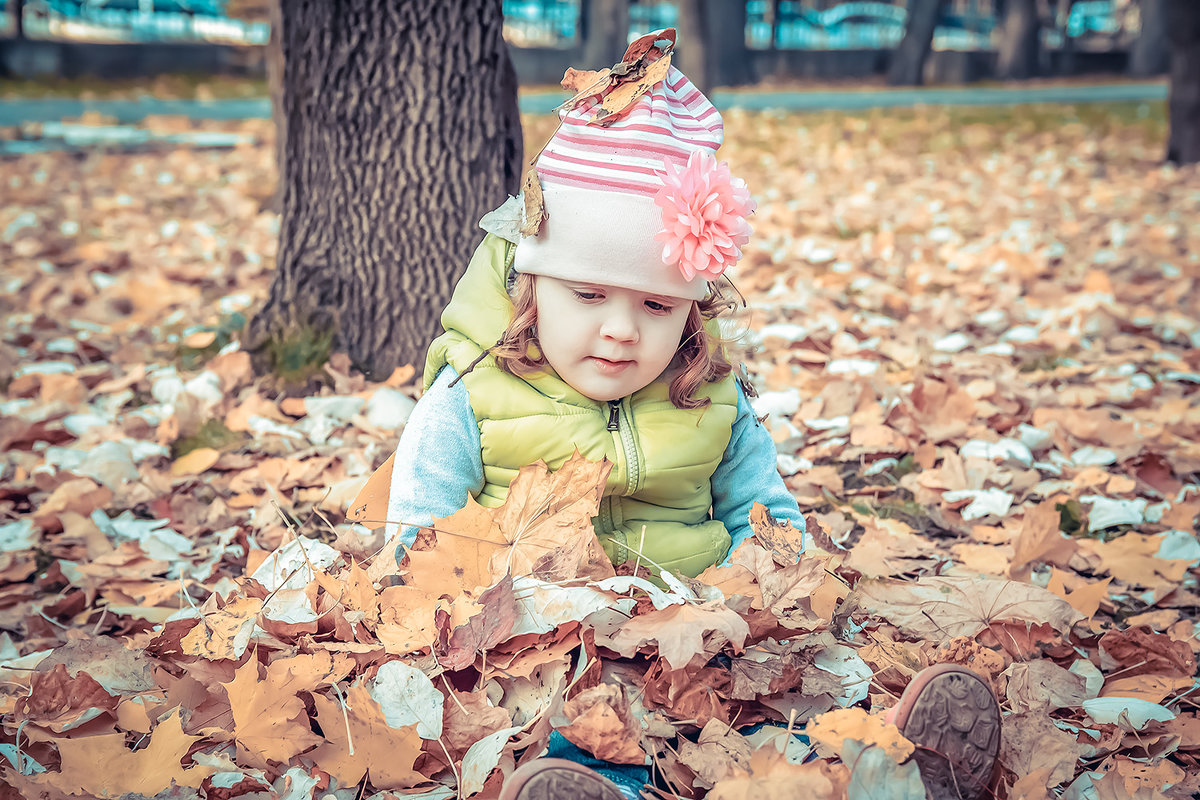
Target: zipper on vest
[(625, 439)]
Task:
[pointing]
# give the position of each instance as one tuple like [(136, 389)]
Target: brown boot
[(554, 778), (951, 715)]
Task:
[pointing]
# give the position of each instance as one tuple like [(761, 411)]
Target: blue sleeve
[(748, 474), (438, 460)]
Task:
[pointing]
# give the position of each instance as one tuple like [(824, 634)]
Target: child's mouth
[(609, 367)]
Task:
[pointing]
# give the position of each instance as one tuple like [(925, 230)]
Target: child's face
[(607, 342)]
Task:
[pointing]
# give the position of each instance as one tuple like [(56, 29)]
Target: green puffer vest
[(663, 456)]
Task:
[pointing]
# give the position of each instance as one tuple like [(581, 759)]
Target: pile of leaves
[(975, 342)]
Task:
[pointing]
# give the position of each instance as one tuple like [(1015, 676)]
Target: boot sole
[(953, 718), (555, 778)]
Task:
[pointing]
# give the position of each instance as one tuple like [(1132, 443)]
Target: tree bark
[(1020, 46), (1149, 54), (402, 131), (907, 67), (17, 9), (691, 55), (712, 43), (275, 84), (1183, 31), (605, 32)]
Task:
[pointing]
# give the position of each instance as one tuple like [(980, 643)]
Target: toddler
[(596, 332)]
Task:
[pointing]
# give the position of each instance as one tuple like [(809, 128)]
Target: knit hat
[(633, 194)]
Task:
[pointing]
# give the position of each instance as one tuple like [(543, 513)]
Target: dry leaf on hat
[(625, 95), (535, 203)]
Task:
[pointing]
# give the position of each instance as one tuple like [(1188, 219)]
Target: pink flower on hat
[(705, 212)]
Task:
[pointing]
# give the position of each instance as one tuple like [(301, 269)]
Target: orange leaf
[(681, 632), (827, 731), (544, 528), (102, 766), (224, 633), (1040, 540), (387, 753), (195, 462), (779, 536), (270, 723), (1086, 599), (602, 724), (370, 505)]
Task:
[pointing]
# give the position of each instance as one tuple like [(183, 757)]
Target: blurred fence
[(826, 25), (820, 39), (133, 21)]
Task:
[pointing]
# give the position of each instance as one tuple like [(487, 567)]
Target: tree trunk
[(17, 9), (773, 22), (712, 43), (1183, 31), (1019, 49), (402, 131), (1150, 54), (275, 84), (907, 67), (605, 32), (691, 55)]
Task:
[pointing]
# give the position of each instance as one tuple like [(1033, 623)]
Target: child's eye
[(586, 296), (657, 307)]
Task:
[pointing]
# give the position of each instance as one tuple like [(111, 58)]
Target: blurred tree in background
[(907, 67), (604, 29)]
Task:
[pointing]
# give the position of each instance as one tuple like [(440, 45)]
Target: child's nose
[(620, 324)]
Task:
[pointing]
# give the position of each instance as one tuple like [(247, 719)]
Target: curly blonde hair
[(700, 358)]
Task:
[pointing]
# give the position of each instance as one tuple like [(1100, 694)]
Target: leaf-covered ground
[(977, 340)]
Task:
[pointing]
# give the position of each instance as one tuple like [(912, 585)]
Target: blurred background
[(783, 39)]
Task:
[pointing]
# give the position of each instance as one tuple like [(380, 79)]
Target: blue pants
[(629, 778)]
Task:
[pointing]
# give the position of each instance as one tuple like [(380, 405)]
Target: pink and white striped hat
[(640, 202)]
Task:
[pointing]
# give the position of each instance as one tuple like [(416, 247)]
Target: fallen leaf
[(359, 741), (940, 609), (682, 632), (270, 723), (829, 732), (195, 462)]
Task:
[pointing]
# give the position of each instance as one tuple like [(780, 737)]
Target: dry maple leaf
[(1040, 540), (544, 528), (601, 722), (406, 619), (771, 776), (830, 730), (785, 542), (60, 702), (682, 632), (939, 609), (103, 766), (224, 632), (270, 723), (484, 630), (369, 746)]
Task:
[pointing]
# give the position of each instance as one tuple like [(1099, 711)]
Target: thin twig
[(453, 769), (454, 695), (345, 717)]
